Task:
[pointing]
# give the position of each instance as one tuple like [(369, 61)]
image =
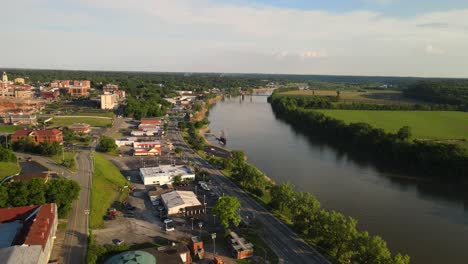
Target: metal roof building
[(176, 201), (165, 174)]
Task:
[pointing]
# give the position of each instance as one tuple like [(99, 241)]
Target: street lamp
[(192, 221), (200, 224), (160, 212), (213, 236), (214, 219)]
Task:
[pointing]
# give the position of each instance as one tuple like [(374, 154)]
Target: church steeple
[(5, 77)]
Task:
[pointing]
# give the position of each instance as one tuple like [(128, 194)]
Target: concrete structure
[(240, 248), (177, 201), (38, 136), (110, 88), (27, 233), (80, 128), (4, 77), (109, 101), (165, 174)]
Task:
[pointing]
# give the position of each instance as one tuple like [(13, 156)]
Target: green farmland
[(424, 124)]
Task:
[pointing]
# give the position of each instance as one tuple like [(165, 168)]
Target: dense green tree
[(304, 208), (404, 133), (62, 192), (18, 194), (227, 208), (282, 196), (7, 155), (106, 144), (36, 191), (3, 196)]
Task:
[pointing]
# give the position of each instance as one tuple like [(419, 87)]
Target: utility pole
[(213, 236), (200, 224)]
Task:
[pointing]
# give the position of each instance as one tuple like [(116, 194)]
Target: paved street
[(283, 241)]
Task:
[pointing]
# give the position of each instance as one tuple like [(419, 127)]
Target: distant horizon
[(5, 69)]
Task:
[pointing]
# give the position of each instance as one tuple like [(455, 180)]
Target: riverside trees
[(331, 231)]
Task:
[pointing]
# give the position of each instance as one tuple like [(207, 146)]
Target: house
[(177, 201), (27, 233), (165, 174), (240, 248), (80, 128), (38, 136)]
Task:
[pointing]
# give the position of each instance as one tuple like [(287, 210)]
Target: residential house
[(38, 136)]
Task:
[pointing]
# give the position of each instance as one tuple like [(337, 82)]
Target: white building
[(109, 101), (165, 174), (177, 201)]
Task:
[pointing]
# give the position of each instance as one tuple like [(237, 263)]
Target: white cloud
[(189, 35)]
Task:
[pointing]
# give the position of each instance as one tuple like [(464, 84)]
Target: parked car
[(169, 228), (118, 242), (167, 220), (29, 159)]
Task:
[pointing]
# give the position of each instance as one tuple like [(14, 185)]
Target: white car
[(167, 220)]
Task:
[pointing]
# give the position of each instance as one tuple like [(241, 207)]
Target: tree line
[(331, 231), (36, 192), (332, 102), (422, 157), (43, 148), (452, 92)]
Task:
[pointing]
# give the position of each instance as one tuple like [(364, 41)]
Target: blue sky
[(356, 37)]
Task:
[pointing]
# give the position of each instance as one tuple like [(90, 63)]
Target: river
[(427, 220)]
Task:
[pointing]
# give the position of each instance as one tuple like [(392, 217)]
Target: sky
[(427, 38)]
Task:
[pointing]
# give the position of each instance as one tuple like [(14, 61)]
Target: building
[(4, 77), (78, 91), (125, 141), (80, 128), (165, 174), (240, 248), (74, 88), (147, 152), (50, 94), (29, 176), (146, 144), (27, 233), (177, 202), (20, 119), (38, 136), (196, 247), (147, 133), (110, 88), (173, 254), (109, 101), (19, 81)]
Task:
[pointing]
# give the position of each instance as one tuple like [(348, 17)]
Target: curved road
[(287, 245)]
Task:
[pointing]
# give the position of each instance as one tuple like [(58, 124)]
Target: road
[(287, 245), (76, 235)]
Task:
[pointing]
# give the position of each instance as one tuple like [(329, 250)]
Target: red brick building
[(38, 136), (28, 232), (80, 128), (240, 248)]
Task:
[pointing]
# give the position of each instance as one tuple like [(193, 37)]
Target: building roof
[(239, 243), (36, 221), (165, 171), (30, 176), (23, 254), (39, 132), (180, 198), (132, 257), (152, 121)]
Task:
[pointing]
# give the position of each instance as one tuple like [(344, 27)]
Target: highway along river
[(425, 219)]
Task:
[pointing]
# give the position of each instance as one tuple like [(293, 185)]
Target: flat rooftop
[(165, 170)]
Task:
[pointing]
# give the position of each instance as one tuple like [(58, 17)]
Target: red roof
[(150, 121), (39, 232), (37, 229), (47, 132)]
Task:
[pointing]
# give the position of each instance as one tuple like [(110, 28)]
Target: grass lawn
[(8, 169), (66, 121), (9, 128), (103, 114), (424, 124), (107, 180), (67, 155)]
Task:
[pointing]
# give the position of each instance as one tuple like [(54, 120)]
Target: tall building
[(109, 101), (5, 77)]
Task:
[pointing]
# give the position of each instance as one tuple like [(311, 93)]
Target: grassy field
[(375, 96), (9, 128), (67, 155), (103, 114), (424, 124), (107, 181), (66, 121), (8, 169)]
